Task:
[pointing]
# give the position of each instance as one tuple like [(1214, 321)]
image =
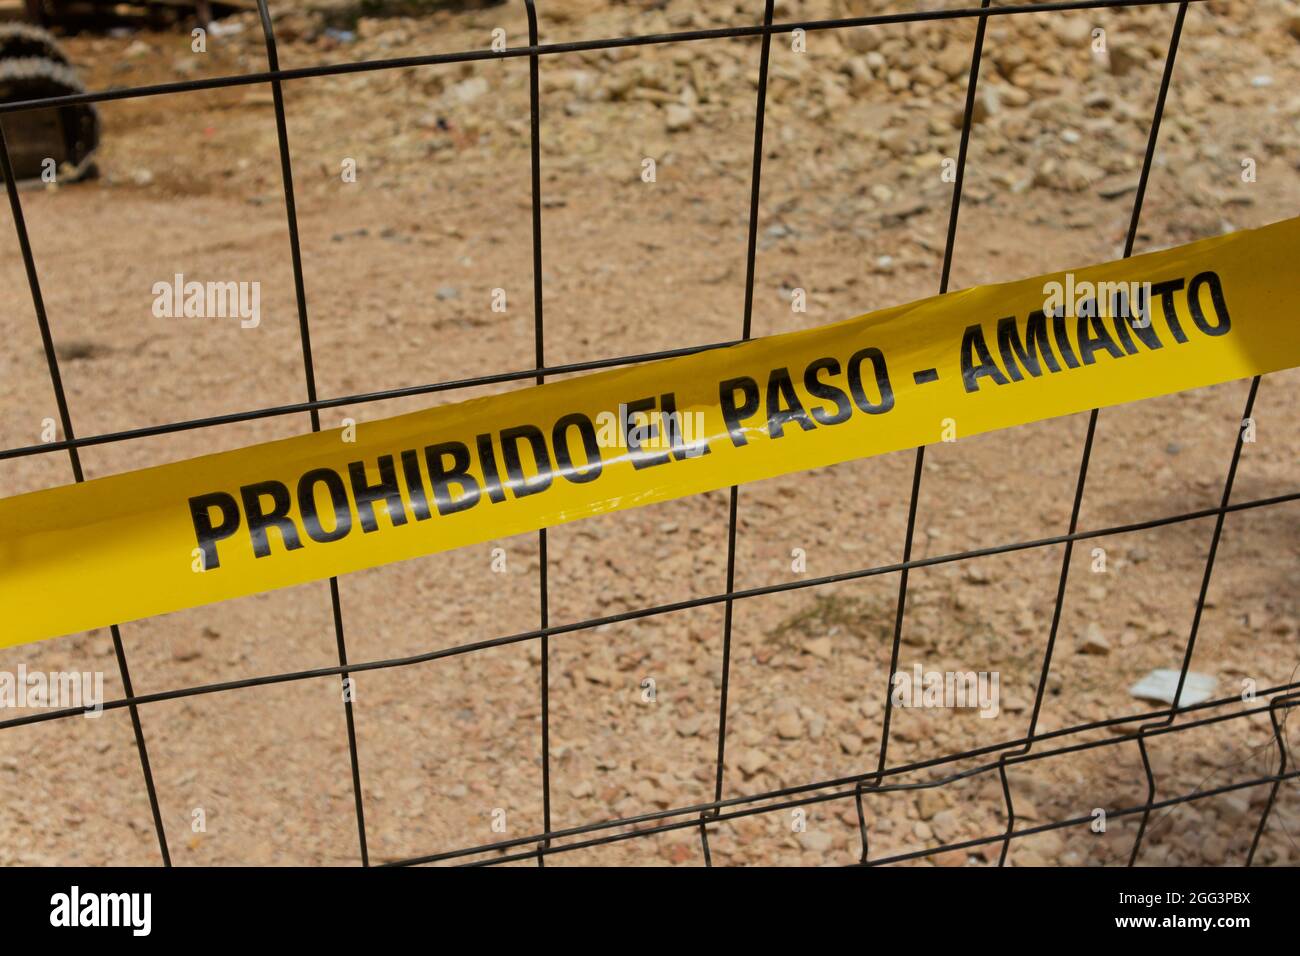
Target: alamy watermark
[(954, 690), (133, 911), (209, 300), (1098, 300), (57, 689), (643, 426)]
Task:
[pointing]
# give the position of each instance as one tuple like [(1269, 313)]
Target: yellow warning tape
[(240, 522)]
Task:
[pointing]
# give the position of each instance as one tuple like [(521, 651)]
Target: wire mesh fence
[(877, 777)]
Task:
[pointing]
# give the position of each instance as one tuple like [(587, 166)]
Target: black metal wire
[(653, 611), (704, 816), (918, 464), (751, 253), (65, 418), (1130, 238), (805, 795), (551, 49), (1190, 649), (1280, 741), (408, 391), (539, 336), (309, 369)]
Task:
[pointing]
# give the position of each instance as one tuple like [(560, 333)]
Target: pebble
[(678, 117), (1112, 187), (1071, 30), (753, 761), (689, 726), (1094, 641), (819, 647), (818, 841), (467, 91), (929, 802), (946, 825), (789, 726), (184, 651)]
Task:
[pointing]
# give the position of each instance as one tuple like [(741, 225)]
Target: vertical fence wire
[(309, 369), (65, 418), (539, 337), (1130, 238), (747, 326), (918, 464)]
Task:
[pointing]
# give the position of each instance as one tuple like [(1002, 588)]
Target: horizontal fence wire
[(860, 788)]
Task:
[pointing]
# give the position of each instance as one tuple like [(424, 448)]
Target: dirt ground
[(399, 269)]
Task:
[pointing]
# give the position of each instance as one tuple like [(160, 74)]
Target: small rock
[(902, 211), (752, 761), (467, 91), (861, 41), (1094, 641), (1071, 30), (1125, 59), (186, 652), (1013, 96), (1161, 684), (678, 117), (1027, 857), (1098, 100), (688, 726), (73, 350), (946, 825), (1112, 187), (954, 60), (816, 840), (818, 647), (789, 726), (929, 802), (859, 75)]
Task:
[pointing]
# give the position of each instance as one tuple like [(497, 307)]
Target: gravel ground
[(399, 267)]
